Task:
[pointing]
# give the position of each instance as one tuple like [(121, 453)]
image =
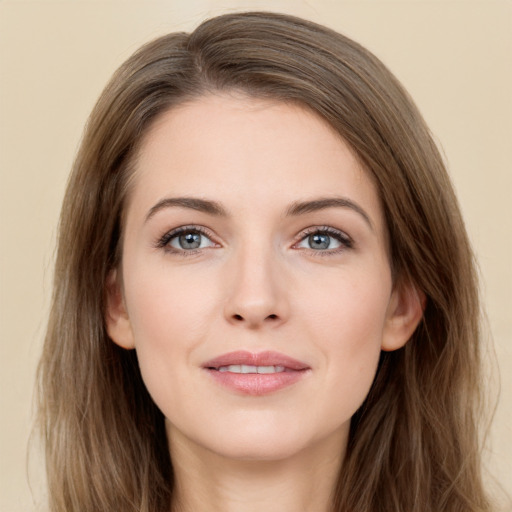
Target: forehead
[(241, 149)]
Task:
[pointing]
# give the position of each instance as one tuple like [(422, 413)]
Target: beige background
[(455, 57)]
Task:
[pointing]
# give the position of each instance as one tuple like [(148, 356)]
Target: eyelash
[(163, 242), (345, 241)]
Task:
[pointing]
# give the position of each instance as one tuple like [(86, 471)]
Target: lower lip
[(257, 384)]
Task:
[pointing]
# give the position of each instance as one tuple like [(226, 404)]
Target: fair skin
[(283, 249)]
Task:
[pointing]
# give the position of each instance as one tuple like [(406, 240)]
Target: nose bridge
[(257, 295)]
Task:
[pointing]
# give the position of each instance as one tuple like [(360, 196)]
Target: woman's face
[(256, 287)]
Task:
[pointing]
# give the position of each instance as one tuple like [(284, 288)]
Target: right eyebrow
[(193, 203)]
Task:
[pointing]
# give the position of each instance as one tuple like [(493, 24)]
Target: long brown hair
[(414, 444)]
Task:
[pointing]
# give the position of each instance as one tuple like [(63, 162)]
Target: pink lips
[(256, 384)]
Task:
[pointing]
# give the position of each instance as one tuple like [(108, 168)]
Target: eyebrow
[(303, 207), (193, 203), (295, 209)]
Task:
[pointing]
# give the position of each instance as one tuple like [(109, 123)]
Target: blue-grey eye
[(322, 240), (190, 240), (319, 241)]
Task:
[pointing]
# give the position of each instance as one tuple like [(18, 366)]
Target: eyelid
[(162, 242), (345, 240)]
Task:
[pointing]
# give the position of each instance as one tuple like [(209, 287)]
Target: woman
[(264, 293)]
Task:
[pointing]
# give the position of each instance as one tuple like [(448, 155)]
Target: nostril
[(240, 318)]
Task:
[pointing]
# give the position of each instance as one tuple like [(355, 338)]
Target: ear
[(116, 317), (405, 310)]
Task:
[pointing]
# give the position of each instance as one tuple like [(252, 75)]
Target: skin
[(256, 283)]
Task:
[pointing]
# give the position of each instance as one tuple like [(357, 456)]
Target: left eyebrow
[(315, 205)]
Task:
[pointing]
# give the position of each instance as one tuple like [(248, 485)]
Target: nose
[(258, 295)]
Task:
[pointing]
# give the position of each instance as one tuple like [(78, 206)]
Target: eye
[(186, 239), (324, 239)]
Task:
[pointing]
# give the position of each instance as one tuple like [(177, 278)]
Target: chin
[(260, 450), (265, 441)]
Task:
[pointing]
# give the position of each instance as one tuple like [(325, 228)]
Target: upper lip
[(267, 358)]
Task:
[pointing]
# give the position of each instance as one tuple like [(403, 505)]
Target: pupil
[(319, 241), (190, 241)]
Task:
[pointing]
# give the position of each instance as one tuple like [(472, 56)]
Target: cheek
[(348, 310), (170, 314), (348, 324), (165, 304)]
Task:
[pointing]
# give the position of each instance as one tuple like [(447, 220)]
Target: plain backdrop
[(454, 57)]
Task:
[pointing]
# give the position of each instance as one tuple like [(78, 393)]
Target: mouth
[(256, 374), (245, 368)]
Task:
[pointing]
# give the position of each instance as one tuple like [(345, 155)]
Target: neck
[(206, 481)]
